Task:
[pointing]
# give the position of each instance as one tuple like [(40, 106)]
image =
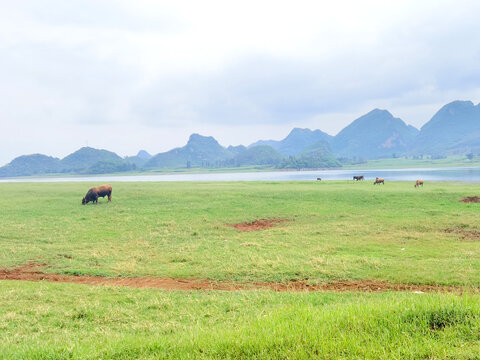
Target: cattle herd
[(378, 180), (106, 190)]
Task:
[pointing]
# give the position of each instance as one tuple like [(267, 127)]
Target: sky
[(131, 75)]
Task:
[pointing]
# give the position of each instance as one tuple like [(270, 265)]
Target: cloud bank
[(127, 75)]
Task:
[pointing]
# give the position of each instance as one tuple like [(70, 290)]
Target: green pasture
[(400, 162), (64, 321), (339, 230)]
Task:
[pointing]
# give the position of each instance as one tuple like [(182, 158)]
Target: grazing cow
[(98, 191), (358, 178), (379, 181), (319, 179), (418, 183)]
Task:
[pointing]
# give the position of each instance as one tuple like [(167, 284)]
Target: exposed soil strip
[(465, 234), (471, 199), (258, 224), (32, 272)]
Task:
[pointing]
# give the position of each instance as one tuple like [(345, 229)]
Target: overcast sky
[(131, 75)]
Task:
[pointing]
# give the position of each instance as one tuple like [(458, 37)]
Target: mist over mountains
[(454, 129)]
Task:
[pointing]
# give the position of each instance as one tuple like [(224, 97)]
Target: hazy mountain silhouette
[(140, 159), (235, 150), (31, 165), (296, 141), (142, 154), (199, 151), (454, 129), (86, 157), (374, 135)]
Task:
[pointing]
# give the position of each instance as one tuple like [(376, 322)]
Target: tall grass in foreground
[(62, 321)]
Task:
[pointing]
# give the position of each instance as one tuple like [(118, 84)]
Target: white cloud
[(152, 72)]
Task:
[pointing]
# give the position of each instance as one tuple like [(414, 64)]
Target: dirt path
[(32, 272)]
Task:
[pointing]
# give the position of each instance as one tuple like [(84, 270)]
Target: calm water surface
[(469, 174)]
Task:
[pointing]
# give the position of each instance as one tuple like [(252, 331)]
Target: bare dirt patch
[(465, 234), (32, 272), (258, 224), (471, 199)]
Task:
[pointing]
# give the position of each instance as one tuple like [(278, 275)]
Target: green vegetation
[(259, 155), (83, 161), (106, 167), (62, 321), (339, 231), (424, 162), (31, 165), (308, 162), (317, 155), (87, 157)]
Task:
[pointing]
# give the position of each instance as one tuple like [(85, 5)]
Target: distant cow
[(418, 183), (98, 191), (358, 178), (319, 179), (379, 181)]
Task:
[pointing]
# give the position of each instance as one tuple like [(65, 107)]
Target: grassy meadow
[(399, 163), (339, 230), (65, 321)]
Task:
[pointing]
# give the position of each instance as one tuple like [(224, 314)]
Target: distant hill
[(454, 129), (86, 157), (142, 154), (139, 162), (83, 161), (259, 155), (199, 151), (140, 159), (317, 155), (296, 141), (31, 165), (375, 135), (235, 150), (320, 148)]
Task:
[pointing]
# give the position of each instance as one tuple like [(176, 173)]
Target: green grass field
[(399, 163), (339, 230)]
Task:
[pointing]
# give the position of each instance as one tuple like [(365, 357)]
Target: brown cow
[(358, 178), (418, 183), (98, 191), (379, 181)]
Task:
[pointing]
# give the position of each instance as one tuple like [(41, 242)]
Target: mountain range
[(375, 135), (454, 129)]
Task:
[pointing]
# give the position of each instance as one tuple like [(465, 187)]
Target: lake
[(468, 174)]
